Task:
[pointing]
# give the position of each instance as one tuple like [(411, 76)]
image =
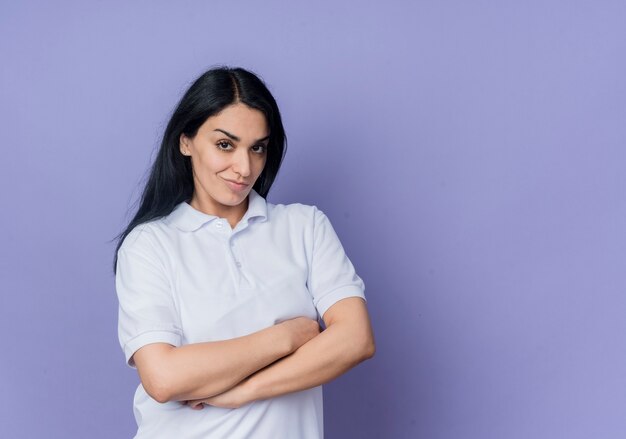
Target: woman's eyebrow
[(237, 139)]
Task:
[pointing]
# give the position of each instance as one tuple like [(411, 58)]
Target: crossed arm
[(284, 358)]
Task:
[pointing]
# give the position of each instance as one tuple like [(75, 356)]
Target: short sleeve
[(147, 313), (332, 276)]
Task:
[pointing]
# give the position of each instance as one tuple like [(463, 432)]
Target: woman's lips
[(237, 187)]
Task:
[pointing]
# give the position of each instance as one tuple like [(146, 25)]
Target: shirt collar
[(188, 219)]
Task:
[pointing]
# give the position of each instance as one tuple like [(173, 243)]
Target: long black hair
[(171, 179)]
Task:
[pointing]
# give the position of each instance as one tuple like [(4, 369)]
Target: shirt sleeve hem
[(336, 295), (156, 336)]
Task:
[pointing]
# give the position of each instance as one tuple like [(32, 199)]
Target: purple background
[(470, 155)]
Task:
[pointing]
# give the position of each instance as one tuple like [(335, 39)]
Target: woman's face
[(228, 154)]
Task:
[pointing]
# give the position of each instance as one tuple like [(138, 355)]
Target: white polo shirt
[(189, 278)]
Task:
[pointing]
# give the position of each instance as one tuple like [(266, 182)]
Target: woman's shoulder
[(143, 236), (293, 211), (309, 217)]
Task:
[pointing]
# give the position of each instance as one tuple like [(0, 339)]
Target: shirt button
[(238, 264), (218, 225), (232, 244)]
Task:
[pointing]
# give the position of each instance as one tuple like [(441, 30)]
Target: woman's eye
[(260, 148), (223, 145)]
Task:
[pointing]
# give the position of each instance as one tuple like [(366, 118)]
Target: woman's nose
[(241, 163)]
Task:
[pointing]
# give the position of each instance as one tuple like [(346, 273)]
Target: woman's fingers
[(196, 405)]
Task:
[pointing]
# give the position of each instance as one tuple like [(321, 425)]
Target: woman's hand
[(231, 399), (301, 330)]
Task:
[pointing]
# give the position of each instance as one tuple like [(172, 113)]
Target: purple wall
[(471, 156)]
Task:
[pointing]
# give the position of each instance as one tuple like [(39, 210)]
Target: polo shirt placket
[(228, 236)]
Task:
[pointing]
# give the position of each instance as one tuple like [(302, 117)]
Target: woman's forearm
[(347, 341), (320, 360), (200, 370)]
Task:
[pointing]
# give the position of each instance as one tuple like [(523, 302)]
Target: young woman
[(220, 291)]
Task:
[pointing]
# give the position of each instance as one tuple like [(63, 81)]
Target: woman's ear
[(183, 145)]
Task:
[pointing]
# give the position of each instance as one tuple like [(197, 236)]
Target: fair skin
[(346, 341), (231, 148), (228, 147)]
